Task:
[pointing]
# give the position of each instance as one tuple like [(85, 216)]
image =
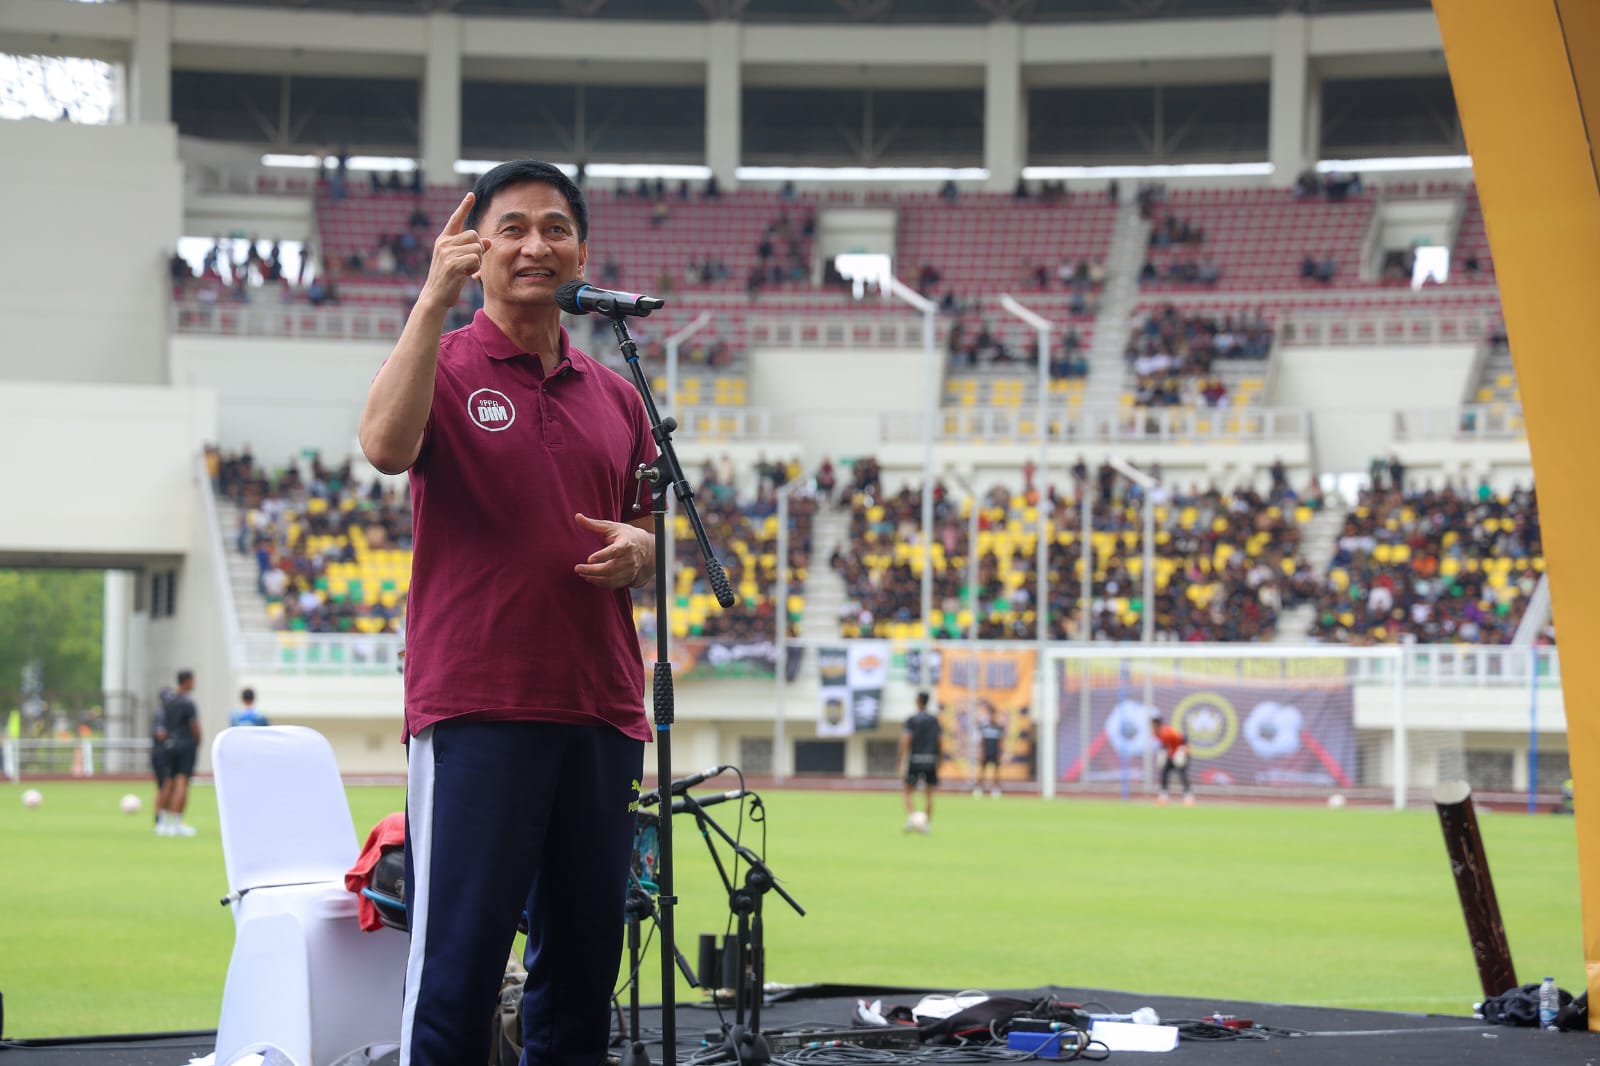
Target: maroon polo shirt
[(498, 626)]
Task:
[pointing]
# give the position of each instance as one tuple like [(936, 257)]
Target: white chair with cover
[(304, 981)]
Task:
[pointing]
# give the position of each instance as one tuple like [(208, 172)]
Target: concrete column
[(724, 88), (116, 618), (441, 100), (1313, 120), (1286, 123), (1005, 107), (150, 63)]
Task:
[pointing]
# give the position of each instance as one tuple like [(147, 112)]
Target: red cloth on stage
[(388, 833)]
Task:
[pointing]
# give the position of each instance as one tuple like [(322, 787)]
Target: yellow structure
[(1527, 85)]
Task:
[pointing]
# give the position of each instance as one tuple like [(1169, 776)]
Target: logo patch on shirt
[(491, 409)]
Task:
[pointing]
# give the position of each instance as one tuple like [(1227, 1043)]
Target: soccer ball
[(131, 804), (1336, 800), (919, 821), (32, 798)]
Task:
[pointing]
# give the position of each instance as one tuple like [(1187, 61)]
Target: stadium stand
[(1432, 567), (1226, 564)]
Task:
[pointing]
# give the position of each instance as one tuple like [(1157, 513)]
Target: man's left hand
[(626, 559)]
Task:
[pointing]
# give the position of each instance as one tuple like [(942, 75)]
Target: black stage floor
[(1333, 1037)]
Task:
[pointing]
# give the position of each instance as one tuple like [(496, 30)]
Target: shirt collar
[(496, 345)]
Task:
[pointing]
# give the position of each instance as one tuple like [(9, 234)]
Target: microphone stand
[(639, 908), (666, 472), (744, 1041)]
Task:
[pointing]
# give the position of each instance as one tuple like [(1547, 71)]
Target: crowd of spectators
[(1336, 187), (739, 510), (1226, 563), (1173, 353), (1431, 566), (1169, 232), (259, 271), (324, 545), (783, 253)]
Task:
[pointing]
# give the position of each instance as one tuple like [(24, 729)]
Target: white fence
[(1474, 422), (732, 423), (293, 320), (1387, 326), (79, 757), (1423, 665), (1147, 425), (836, 331)]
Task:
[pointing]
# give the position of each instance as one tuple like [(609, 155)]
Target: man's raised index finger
[(458, 217)]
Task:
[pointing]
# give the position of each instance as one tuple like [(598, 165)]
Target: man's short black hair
[(185, 676), (922, 699), (247, 695), (520, 172)]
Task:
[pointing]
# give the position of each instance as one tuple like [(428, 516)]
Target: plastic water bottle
[(1549, 1003), (1142, 1016)]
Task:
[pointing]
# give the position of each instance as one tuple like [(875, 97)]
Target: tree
[(55, 617)]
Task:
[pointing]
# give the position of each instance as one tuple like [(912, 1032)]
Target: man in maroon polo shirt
[(524, 682)]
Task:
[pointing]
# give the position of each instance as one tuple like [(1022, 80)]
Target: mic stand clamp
[(640, 907)]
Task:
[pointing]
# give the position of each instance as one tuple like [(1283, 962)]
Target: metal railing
[(835, 331), (295, 321), (1331, 328), (1472, 422), (1425, 665), (74, 757), (219, 565), (1151, 425)]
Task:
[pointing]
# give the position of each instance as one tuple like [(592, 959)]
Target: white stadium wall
[(90, 216), (1353, 393), (281, 395), (838, 396), (99, 471)]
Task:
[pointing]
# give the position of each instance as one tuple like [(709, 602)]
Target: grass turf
[(106, 928)]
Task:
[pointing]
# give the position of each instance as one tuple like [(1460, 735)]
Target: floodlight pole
[(930, 406), (859, 269), (972, 594), (780, 676), (1145, 483), (1041, 596), (702, 320)]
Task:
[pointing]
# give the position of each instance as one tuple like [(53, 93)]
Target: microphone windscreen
[(567, 297)]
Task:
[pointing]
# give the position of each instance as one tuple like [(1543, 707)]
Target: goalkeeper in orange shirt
[(1176, 749)]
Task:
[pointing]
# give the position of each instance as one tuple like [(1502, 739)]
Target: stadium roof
[(905, 11)]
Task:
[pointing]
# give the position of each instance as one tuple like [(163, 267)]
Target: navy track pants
[(502, 818)]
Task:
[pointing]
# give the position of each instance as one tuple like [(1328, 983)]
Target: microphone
[(686, 804), (580, 298), (681, 785)]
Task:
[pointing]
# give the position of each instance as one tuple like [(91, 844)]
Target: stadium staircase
[(242, 576), (1107, 367), (825, 590), (1318, 539)]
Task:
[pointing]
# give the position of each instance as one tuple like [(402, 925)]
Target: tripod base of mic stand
[(748, 1046), (634, 1055)]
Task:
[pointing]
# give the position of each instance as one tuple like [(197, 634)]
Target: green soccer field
[(107, 928)]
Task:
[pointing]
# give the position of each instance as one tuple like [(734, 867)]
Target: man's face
[(186, 686), (533, 245)]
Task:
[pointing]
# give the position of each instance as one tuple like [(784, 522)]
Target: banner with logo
[(867, 674), (1245, 726), (968, 683), (698, 657), (850, 686), (834, 718)]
